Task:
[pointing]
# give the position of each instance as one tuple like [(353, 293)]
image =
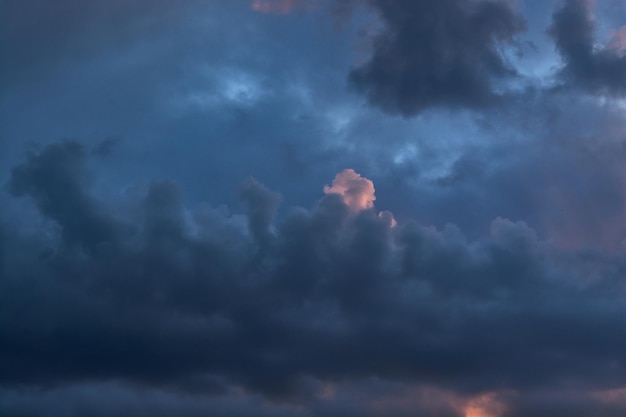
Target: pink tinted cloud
[(356, 191)]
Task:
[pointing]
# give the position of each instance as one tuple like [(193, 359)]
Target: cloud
[(179, 302), (118, 298), (356, 192), (596, 69), (437, 53), (262, 204), (485, 405), (55, 179)]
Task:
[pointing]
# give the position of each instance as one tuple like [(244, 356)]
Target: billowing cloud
[(180, 302), (145, 275), (356, 191), (262, 204), (597, 69), (437, 53)]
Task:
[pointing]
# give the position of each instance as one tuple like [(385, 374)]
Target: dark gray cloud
[(55, 179), (181, 300), (124, 294), (597, 69), (437, 53), (262, 205)]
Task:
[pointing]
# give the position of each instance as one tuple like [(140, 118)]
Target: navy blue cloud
[(437, 53), (599, 70), (199, 301)]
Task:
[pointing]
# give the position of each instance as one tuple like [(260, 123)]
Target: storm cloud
[(437, 53), (599, 69), (312, 208), (177, 298)]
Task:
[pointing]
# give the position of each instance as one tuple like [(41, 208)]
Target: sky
[(316, 208)]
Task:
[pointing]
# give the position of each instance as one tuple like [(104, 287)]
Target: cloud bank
[(199, 308), (185, 258)]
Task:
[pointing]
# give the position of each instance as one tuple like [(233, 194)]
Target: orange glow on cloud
[(276, 6), (356, 191), (437, 401), (485, 405)]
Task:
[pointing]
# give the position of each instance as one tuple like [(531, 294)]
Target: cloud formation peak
[(357, 192)]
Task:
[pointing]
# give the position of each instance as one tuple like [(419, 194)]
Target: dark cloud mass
[(55, 179), (213, 209), (598, 69), (181, 299), (437, 52)]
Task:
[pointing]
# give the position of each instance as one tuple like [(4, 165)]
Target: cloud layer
[(300, 312), (182, 256)]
